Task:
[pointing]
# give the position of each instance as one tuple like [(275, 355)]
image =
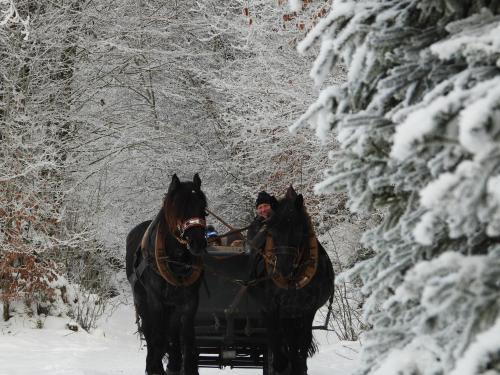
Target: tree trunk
[(6, 308)]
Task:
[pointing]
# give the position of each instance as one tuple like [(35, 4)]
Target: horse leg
[(300, 342), (155, 335), (189, 353), (174, 353), (274, 341), (292, 338)]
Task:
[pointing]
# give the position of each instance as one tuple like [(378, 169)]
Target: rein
[(232, 230), (215, 238), (219, 218)]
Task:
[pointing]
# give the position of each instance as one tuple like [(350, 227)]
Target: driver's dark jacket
[(255, 226), (256, 239), (256, 235)]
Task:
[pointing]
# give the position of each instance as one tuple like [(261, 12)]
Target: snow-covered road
[(114, 349)]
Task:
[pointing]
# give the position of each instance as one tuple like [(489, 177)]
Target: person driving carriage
[(264, 208)]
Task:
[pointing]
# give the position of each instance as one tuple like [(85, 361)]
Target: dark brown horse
[(299, 281), (164, 266)]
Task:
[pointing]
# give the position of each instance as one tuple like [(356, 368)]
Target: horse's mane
[(286, 208), (176, 204)]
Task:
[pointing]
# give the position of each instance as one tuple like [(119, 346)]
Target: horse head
[(289, 228), (184, 209)]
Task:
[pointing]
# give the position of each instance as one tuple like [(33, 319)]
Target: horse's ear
[(299, 201), (290, 193), (274, 203), (197, 182), (174, 184)]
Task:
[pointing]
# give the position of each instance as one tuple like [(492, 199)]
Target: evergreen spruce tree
[(418, 121)]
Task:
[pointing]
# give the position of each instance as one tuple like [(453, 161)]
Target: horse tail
[(138, 322), (132, 242), (313, 347)]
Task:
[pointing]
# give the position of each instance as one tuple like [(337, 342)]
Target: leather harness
[(308, 266), (161, 256), (162, 262)]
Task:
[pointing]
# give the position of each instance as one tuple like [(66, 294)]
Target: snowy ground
[(114, 349)]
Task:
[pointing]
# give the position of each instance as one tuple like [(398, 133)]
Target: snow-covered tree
[(36, 72), (418, 122), (184, 87), (39, 236)]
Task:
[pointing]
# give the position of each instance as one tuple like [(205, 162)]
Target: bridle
[(192, 222), (184, 225)]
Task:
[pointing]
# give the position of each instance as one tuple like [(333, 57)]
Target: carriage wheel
[(267, 368)]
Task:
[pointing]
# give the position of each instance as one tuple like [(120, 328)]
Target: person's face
[(264, 210)]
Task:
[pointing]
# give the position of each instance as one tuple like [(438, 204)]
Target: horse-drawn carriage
[(223, 306), (229, 327)]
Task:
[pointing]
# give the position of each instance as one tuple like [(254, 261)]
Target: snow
[(479, 353), (428, 281), (114, 348), (493, 184), (12, 15), (321, 66), (469, 41), (421, 122), (437, 189), (295, 5), (424, 231), (428, 317), (322, 117), (417, 358), (357, 63), (474, 120), (338, 11)]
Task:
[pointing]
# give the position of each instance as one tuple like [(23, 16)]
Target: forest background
[(102, 102)]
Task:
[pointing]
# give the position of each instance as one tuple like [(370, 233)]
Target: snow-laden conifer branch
[(421, 120)]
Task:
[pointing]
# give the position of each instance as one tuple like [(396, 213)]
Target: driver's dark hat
[(263, 197)]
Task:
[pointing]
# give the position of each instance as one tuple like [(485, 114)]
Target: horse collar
[(307, 273), (162, 262)]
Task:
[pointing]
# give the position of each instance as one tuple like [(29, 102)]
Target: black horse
[(164, 266), (298, 280)]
